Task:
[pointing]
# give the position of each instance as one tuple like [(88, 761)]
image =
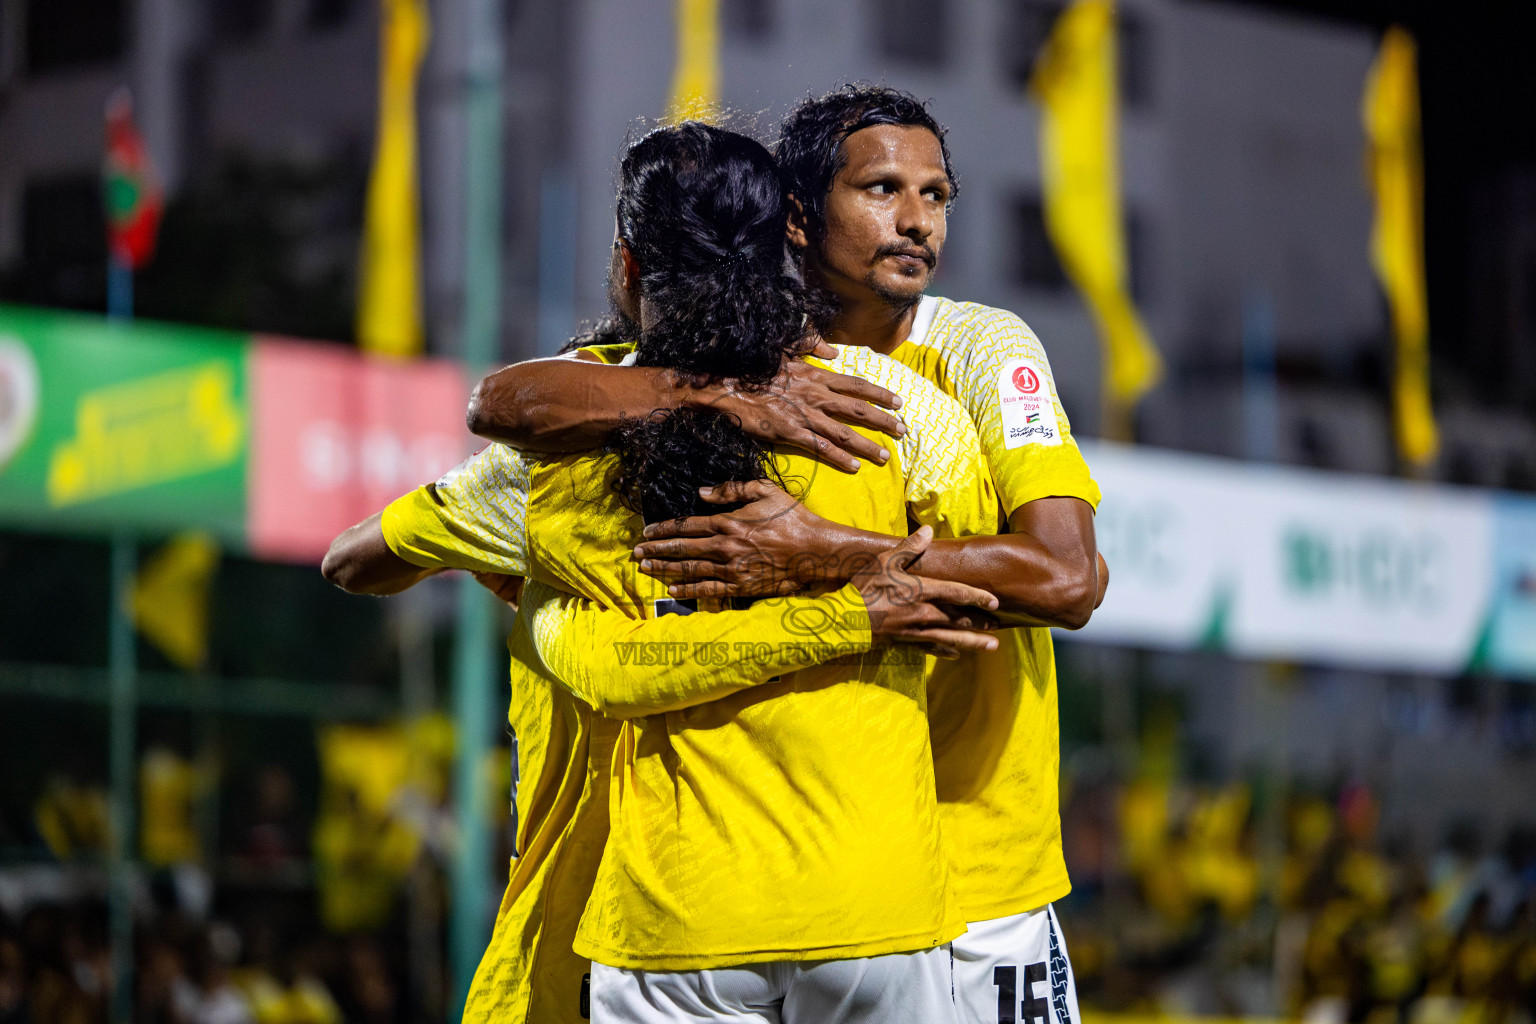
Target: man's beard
[(901, 300), (897, 301)]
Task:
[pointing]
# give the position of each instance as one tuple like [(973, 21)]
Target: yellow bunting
[(389, 295), (1079, 157), (169, 601), (1396, 166)]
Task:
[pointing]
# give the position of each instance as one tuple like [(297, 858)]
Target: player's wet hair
[(703, 211), (810, 148)]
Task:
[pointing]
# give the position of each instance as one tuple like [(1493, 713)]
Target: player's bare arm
[(1046, 572), (360, 562), (567, 405)]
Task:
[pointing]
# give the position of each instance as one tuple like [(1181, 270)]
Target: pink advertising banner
[(336, 435)]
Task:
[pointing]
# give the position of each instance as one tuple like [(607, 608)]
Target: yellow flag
[(169, 601), (1074, 83), (696, 80), (1396, 165), (389, 293)]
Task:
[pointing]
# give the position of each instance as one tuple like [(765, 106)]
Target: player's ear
[(629, 266), (795, 226)]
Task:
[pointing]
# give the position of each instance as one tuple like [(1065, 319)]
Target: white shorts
[(901, 988), (1014, 970)]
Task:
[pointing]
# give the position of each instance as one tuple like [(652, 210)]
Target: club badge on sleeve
[(1024, 397)]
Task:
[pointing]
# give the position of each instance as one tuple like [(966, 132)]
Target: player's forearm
[(566, 405), (627, 668), (1034, 586), (360, 562)]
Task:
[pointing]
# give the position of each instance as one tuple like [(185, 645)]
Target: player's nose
[(913, 219)]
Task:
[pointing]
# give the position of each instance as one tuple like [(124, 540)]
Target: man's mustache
[(921, 252)]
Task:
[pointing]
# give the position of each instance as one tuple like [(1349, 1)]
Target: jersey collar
[(927, 309)]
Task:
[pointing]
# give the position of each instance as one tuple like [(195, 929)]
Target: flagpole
[(123, 724), (474, 700), (123, 738)]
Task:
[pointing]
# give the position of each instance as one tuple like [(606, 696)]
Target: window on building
[(329, 14), (1033, 257), (916, 31), (751, 21), (1027, 24), (65, 34), (240, 21)]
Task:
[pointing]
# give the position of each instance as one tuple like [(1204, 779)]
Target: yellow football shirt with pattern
[(996, 743), (473, 519)]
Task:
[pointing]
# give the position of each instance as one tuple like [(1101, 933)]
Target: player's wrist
[(676, 390), (851, 554)]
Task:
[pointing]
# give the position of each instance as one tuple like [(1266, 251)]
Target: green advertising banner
[(143, 425)]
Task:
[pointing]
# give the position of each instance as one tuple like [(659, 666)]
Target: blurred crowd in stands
[(1189, 899), (338, 918), (55, 968), (1202, 900)]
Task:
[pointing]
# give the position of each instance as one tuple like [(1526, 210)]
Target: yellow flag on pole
[(169, 599), (696, 79), (1074, 82), (389, 293), (1396, 166)]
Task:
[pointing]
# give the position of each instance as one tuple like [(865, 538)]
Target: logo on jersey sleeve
[(1029, 414), (1026, 380)]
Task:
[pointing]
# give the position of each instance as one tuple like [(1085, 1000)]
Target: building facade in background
[(1247, 210)]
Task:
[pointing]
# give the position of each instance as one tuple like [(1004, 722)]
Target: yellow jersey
[(993, 716), (794, 820), (479, 517)]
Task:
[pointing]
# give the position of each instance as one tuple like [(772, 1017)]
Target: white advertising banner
[(1363, 572), (1163, 527), (1291, 564)]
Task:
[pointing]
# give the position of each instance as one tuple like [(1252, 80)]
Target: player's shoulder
[(978, 330), (877, 368), (494, 465), (920, 396)]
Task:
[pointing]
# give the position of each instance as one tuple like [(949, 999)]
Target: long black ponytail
[(704, 210)]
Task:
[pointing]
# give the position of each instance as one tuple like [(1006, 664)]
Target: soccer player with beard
[(807, 804), (872, 175)]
